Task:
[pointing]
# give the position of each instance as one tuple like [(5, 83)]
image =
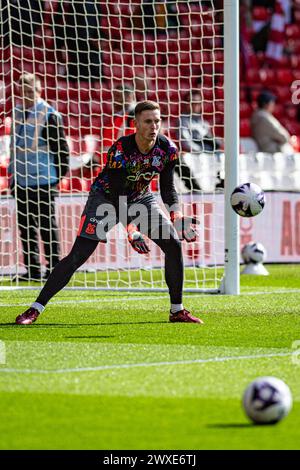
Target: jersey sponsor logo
[(97, 221), (146, 176), (91, 228), (118, 154), (156, 160)]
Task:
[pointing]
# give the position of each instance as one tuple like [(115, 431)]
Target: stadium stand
[(84, 108)]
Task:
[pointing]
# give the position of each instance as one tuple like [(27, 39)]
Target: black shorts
[(100, 216)]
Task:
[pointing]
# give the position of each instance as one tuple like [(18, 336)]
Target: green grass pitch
[(105, 370)]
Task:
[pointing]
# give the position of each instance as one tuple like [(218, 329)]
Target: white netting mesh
[(95, 59)]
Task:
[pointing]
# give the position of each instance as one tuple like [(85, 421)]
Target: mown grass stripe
[(133, 299)]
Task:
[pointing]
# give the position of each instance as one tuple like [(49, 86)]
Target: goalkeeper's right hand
[(137, 240), (184, 226)]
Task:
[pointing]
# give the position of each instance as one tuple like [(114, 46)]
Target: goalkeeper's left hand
[(137, 240), (184, 226)]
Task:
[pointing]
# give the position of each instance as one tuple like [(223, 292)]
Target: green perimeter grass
[(171, 406)]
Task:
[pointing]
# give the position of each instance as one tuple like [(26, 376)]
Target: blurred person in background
[(21, 19), (39, 159), (156, 17), (195, 137), (269, 134), (77, 36), (121, 121)]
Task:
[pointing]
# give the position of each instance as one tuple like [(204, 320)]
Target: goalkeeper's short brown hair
[(145, 106)]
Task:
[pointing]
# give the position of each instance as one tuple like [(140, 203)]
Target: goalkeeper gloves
[(137, 240), (183, 226)]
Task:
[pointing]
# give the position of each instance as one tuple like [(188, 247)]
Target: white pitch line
[(157, 297), (280, 291), (144, 364)]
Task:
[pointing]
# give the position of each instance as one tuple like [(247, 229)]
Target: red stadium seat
[(114, 22), (283, 93), (127, 45), (218, 61), (284, 77), (292, 126), (219, 107), (128, 58), (252, 76), (218, 130), (62, 107), (106, 94), (64, 185), (245, 110), (243, 93), (139, 59), (245, 129), (208, 109), (297, 16), (285, 62), (291, 112), (254, 92), (3, 171), (3, 184), (73, 128), (208, 94), (184, 19), (295, 61), (76, 184), (139, 47), (219, 92), (174, 109), (85, 94), (260, 56), (185, 45), (86, 184), (293, 31), (267, 77), (260, 14), (294, 45), (97, 124), (173, 46), (279, 111), (296, 74), (106, 71)]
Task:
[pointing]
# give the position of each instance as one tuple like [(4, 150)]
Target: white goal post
[(232, 143), (93, 61)]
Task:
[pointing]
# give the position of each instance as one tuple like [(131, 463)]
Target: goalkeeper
[(120, 191)]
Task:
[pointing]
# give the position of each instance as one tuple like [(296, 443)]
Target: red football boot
[(184, 316), (27, 317)]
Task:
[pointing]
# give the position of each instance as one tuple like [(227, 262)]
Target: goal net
[(93, 60)]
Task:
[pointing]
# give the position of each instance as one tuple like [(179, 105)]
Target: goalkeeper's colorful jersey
[(129, 172)]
